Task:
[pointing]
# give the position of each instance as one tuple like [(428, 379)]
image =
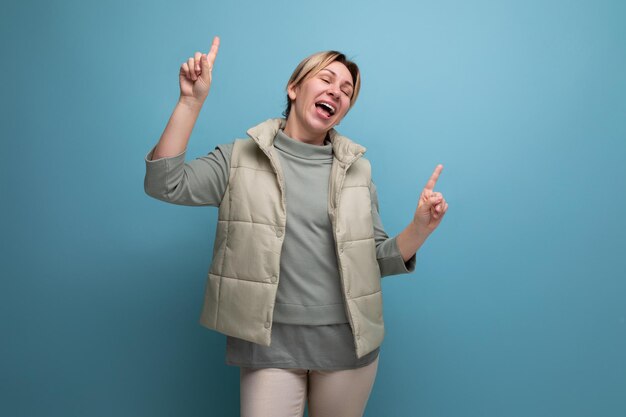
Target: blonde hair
[(313, 64)]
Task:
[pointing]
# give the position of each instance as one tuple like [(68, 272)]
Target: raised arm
[(169, 178), (195, 81)]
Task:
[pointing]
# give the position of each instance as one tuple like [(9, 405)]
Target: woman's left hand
[(431, 207)]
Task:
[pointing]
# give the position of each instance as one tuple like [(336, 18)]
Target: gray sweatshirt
[(310, 328)]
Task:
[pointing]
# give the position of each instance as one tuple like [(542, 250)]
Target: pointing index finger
[(430, 185), (213, 51)]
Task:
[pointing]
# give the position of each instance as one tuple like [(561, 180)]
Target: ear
[(291, 92)]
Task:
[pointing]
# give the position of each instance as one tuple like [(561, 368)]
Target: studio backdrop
[(517, 306)]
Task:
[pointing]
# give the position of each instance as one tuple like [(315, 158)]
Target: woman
[(299, 248)]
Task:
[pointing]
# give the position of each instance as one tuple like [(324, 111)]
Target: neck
[(294, 130)]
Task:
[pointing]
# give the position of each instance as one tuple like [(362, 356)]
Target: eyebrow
[(333, 72)]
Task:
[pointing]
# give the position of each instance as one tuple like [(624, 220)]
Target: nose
[(333, 90)]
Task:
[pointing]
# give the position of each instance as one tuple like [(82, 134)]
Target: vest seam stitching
[(246, 221), (356, 240), (311, 305), (254, 169), (366, 295), (245, 279)]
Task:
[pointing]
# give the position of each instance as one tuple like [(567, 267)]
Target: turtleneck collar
[(302, 150), (344, 150)]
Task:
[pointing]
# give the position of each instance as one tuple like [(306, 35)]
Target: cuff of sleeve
[(159, 171), (410, 264), (149, 160), (392, 263)]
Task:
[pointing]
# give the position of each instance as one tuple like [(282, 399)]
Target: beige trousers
[(274, 392)]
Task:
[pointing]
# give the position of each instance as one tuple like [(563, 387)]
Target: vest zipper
[(281, 186), (279, 177), (334, 195)]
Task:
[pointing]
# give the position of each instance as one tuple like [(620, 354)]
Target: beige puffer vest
[(244, 274)]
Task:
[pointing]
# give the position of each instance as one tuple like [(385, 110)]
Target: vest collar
[(344, 149)]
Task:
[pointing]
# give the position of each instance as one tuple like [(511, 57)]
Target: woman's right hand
[(195, 75)]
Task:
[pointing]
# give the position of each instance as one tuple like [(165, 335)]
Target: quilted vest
[(245, 270)]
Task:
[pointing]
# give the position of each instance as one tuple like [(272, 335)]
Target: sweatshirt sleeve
[(388, 255), (200, 182)]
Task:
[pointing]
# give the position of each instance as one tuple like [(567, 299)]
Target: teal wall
[(518, 303)]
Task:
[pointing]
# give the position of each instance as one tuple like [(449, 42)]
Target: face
[(319, 103)]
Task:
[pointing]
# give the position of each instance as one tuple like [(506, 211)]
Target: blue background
[(518, 303)]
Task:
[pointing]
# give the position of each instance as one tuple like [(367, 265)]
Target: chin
[(318, 125)]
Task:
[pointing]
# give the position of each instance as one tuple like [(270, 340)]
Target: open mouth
[(326, 109)]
